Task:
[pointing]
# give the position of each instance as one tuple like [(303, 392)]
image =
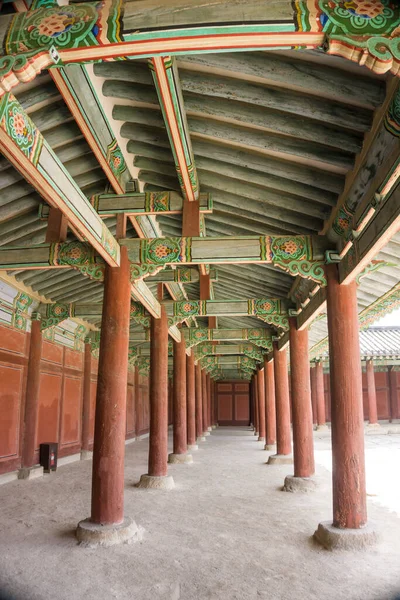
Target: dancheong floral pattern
[(20, 128), (72, 26), (115, 159), (359, 16), (349, 17)]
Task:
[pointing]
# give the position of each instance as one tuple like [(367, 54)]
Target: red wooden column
[(320, 397), (303, 443), (199, 405), (205, 399), (180, 455), (87, 374), (157, 476), (270, 413), (313, 380), (210, 402), (261, 403), (348, 474), (107, 524), (283, 441), (372, 405), (191, 402), (256, 407), (30, 469)]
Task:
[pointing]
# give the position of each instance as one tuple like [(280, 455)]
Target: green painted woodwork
[(383, 223), (24, 146), (297, 255), (72, 26), (259, 337), (166, 81), (146, 203), (78, 92), (248, 350)]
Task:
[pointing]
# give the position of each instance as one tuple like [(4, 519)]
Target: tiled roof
[(380, 342)]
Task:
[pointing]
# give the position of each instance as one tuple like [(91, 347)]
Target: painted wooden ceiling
[(274, 136)]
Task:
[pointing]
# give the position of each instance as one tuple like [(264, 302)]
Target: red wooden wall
[(61, 396), (233, 403), (387, 384)]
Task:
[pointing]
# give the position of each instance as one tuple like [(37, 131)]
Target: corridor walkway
[(226, 532)]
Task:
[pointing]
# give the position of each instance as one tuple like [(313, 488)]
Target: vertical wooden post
[(191, 402), (87, 374), (199, 405), (32, 401), (210, 403), (372, 404), (252, 415), (256, 407), (179, 455), (270, 413), (205, 399), (348, 475), (283, 442), (303, 444), (57, 226), (157, 476), (261, 404), (320, 396), (107, 516), (393, 394), (313, 380)]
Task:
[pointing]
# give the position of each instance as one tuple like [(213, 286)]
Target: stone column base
[(206, 433), (192, 447), (280, 459), (299, 484), (92, 534), (209, 428), (270, 447), (333, 538), (30, 472), (154, 482), (261, 439), (214, 427), (323, 428), (180, 459), (201, 438), (256, 433), (86, 454)]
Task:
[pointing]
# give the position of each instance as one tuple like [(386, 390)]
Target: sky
[(389, 320)]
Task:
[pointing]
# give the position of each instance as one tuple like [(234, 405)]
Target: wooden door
[(233, 402)]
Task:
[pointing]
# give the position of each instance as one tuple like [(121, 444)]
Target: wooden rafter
[(166, 81), (24, 146)]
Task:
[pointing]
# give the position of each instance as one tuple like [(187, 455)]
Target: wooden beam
[(65, 255), (166, 81), (385, 223), (260, 337), (75, 87), (273, 311), (297, 255), (167, 30), (24, 146), (140, 204), (241, 362), (373, 165), (228, 350)]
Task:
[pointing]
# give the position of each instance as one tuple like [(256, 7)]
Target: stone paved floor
[(226, 532)]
